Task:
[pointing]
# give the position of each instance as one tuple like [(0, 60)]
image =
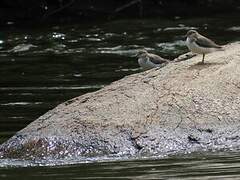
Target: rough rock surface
[(182, 107)]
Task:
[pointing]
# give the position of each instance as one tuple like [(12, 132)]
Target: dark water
[(41, 67), (195, 166)]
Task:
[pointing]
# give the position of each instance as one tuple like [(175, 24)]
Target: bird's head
[(142, 53), (192, 34)]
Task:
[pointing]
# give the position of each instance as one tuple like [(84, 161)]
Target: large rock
[(182, 107)]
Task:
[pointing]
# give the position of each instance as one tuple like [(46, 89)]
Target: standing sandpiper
[(200, 44), (148, 61)]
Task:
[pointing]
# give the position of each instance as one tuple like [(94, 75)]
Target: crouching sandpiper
[(148, 60), (200, 44)]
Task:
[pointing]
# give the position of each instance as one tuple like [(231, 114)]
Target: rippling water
[(44, 66), (194, 166)]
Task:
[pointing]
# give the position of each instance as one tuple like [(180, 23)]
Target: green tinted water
[(196, 166), (42, 67)]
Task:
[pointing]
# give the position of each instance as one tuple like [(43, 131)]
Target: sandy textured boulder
[(182, 107)]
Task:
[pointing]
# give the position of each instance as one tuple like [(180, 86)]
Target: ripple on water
[(21, 103), (128, 69), (22, 48), (56, 35), (180, 27), (234, 28), (175, 47), (53, 88), (129, 50)]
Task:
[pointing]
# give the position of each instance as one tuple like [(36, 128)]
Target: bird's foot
[(200, 63)]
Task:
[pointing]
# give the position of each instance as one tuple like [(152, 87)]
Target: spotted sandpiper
[(200, 44), (148, 61)]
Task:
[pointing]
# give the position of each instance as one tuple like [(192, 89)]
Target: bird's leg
[(203, 58)]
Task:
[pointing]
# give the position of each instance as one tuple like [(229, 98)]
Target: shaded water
[(42, 67), (195, 166)]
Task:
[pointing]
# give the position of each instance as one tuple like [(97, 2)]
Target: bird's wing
[(156, 59), (205, 42)]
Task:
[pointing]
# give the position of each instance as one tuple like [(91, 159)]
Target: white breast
[(146, 64), (192, 46)]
